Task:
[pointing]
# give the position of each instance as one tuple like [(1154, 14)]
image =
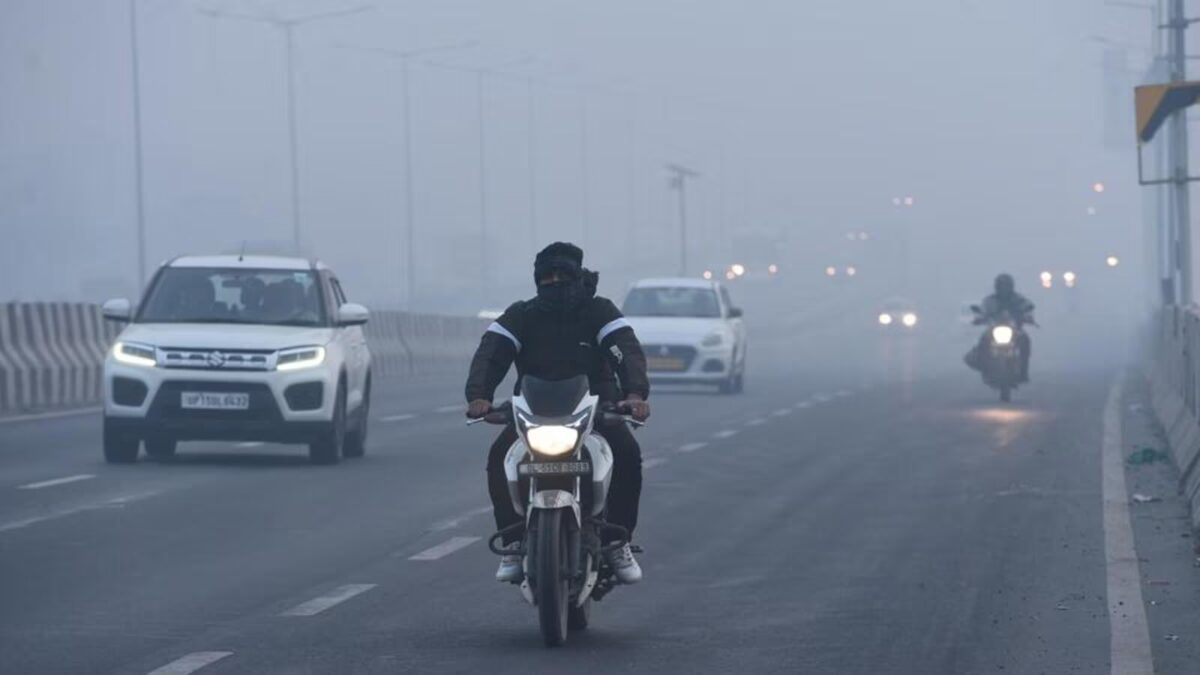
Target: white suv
[(238, 348)]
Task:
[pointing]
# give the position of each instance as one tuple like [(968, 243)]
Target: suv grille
[(216, 359)]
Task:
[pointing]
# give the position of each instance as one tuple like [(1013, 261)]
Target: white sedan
[(690, 331)]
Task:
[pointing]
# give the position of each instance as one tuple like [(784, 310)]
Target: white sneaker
[(510, 570), (624, 566)]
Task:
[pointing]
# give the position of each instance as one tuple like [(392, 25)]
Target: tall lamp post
[(678, 182), (288, 27)]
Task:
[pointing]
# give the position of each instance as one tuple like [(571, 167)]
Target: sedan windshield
[(218, 295), (682, 302)]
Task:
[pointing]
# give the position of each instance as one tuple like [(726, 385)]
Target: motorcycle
[(558, 472), (998, 356)]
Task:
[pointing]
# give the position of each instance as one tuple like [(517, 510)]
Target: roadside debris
[(1147, 456), (1140, 498), (1171, 637)]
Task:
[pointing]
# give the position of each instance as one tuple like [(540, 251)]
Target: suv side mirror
[(118, 309), (735, 312), (351, 314)]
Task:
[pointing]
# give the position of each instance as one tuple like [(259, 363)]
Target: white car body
[(195, 378), (693, 349)]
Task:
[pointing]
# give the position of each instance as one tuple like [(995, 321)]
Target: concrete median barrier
[(52, 354), (1175, 376)]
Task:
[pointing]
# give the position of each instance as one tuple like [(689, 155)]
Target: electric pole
[(678, 182)]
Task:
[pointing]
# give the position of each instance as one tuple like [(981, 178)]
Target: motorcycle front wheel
[(553, 578)]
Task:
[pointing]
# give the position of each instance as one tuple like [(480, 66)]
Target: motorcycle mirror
[(977, 309)]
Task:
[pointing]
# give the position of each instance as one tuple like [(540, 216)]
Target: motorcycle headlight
[(1002, 335), (552, 440), (133, 354), (712, 340), (299, 358)]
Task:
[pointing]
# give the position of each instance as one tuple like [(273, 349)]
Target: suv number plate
[(212, 400)]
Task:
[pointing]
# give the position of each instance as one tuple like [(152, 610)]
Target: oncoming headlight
[(133, 354), (909, 319), (1002, 335), (299, 358), (885, 319), (552, 440)]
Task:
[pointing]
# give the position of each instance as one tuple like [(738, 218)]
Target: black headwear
[(1005, 285), (558, 257)]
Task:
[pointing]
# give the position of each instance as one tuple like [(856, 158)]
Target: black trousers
[(624, 493)]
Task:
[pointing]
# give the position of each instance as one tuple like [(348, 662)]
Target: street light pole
[(483, 212), (288, 26), (1177, 23), (532, 140), (135, 62), (678, 182)]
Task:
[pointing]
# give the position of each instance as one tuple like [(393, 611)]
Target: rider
[(564, 332), (1007, 301)]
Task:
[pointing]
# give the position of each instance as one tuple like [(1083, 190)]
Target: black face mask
[(560, 296)]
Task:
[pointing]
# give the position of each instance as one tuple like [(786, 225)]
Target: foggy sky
[(805, 118)]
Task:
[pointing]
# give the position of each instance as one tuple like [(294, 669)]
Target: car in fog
[(898, 314), (238, 348), (690, 330)]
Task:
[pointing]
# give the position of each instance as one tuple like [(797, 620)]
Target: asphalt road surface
[(880, 516)]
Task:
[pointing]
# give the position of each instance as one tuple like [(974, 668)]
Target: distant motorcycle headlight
[(909, 319), (1002, 335), (134, 354), (553, 440), (885, 319), (712, 340)]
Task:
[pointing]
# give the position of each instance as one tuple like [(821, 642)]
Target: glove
[(478, 408)]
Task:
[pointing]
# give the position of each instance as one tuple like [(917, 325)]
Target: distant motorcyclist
[(1005, 302), (564, 332)]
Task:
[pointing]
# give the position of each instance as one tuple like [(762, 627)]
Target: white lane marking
[(250, 444), (449, 409), (190, 663), (822, 398), (653, 462), (109, 504), (803, 404), (843, 394), (459, 520), (728, 433), (49, 415), (691, 447), (1129, 634), (332, 599), (445, 548), (57, 481), (756, 422), (782, 412), (397, 418)]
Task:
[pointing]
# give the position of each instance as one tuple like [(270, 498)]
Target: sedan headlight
[(1002, 335), (712, 340), (134, 354), (552, 440), (300, 358)]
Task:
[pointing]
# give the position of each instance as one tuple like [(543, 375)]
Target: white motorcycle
[(559, 471)]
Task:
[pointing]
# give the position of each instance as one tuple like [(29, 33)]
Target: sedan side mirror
[(351, 314), (735, 312), (118, 309)]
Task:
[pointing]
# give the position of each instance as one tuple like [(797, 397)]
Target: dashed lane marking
[(397, 418), (756, 422), (109, 504), (449, 409), (459, 520), (190, 663), (653, 462), (782, 412), (803, 404), (57, 481), (445, 548), (332, 599), (691, 447), (728, 433)]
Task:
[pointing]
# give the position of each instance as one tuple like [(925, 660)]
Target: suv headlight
[(300, 358), (134, 354), (553, 440), (713, 340)]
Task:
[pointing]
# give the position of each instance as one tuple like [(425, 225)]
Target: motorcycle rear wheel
[(553, 579)]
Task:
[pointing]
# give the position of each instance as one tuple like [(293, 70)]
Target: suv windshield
[(219, 295), (690, 302)]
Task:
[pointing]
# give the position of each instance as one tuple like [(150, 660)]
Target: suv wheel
[(327, 447), (119, 448), (356, 441)]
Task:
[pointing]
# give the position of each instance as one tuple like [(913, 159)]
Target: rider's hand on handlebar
[(478, 408), (638, 408)]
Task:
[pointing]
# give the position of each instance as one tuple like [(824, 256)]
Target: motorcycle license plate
[(555, 469)]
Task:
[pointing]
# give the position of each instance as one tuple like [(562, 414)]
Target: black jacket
[(593, 340)]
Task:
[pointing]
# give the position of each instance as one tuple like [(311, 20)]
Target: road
[(880, 514)]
